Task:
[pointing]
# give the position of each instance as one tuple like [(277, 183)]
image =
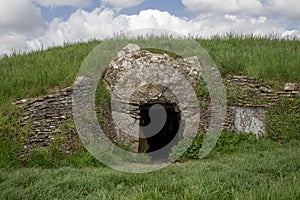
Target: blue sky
[(176, 8), (49, 13), (31, 24)]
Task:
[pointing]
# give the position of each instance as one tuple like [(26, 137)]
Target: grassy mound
[(240, 167), (38, 73)]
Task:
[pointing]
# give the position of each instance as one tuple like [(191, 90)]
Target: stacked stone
[(230, 118), (132, 57), (244, 90), (252, 92), (44, 115)]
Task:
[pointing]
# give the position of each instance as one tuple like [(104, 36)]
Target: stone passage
[(146, 95)]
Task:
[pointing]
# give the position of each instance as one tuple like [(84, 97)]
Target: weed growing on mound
[(284, 121), (227, 143)]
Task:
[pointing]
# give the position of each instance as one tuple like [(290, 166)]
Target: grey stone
[(250, 120), (291, 87), (266, 89), (128, 49)]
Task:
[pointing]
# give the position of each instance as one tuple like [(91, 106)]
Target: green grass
[(41, 72), (273, 60), (265, 170), (259, 169)]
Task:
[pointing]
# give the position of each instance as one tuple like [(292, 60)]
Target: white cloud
[(102, 23), (154, 19), (287, 8), (120, 4), (81, 25), (11, 42), (225, 6), (73, 3), (291, 34), (21, 23), (20, 17)]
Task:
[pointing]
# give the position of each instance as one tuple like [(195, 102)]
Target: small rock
[(128, 49), (194, 61), (266, 90), (291, 87)]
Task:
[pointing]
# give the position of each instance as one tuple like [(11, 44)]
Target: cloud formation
[(103, 23), (73, 3), (22, 24), (15, 42), (20, 21), (225, 6), (20, 17), (287, 8)]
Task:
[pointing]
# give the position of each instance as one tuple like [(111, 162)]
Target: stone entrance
[(137, 97), (168, 133)]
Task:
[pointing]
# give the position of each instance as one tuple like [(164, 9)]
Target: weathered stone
[(284, 93), (266, 89), (250, 120), (291, 87), (128, 49)]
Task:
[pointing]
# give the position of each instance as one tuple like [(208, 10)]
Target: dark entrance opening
[(167, 135)]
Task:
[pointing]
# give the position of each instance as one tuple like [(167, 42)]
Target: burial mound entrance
[(168, 135)]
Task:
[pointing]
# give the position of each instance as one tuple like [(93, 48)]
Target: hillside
[(273, 60), (239, 167), (37, 73)]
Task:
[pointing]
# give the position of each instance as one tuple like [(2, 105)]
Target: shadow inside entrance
[(168, 134)]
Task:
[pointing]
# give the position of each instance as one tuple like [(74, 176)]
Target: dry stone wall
[(245, 91), (44, 116), (251, 97)]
